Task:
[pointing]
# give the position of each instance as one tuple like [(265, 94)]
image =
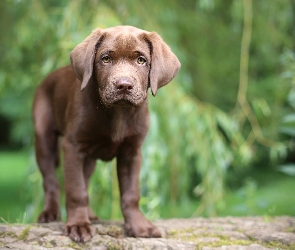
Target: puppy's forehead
[(125, 40)]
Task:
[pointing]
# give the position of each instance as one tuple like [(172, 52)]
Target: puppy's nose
[(124, 85)]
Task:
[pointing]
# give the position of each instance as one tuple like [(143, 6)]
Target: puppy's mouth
[(123, 103), (111, 99)]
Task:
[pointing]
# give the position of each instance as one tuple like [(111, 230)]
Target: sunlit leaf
[(288, 169)]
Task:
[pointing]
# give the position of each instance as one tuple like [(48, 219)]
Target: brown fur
[(99, 106)]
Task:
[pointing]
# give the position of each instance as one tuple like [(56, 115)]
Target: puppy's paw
[(49, 216), (92, 217), (142, 228), (81, 233)]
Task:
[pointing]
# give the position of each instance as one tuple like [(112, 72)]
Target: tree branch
[(247, 112)]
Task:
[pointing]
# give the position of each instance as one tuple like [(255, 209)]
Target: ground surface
[(215, 233)]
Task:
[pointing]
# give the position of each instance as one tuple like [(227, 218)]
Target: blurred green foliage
[(198, 144)]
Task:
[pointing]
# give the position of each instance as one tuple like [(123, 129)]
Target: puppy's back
[(52, 97)]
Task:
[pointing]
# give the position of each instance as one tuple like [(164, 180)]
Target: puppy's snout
[(124, 85)]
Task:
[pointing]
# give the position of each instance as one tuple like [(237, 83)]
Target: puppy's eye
[(141, 60), (106, 59)]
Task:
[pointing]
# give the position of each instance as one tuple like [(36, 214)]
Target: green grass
[(265, 192), (13, 175)]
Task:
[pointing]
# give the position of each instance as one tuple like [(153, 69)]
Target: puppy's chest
[(103, 149), (105, 142), (103, 138)]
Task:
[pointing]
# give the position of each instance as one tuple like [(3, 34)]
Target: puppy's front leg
[(128, 168), (78, 226)]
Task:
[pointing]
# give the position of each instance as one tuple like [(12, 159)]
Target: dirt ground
[(199, 233)]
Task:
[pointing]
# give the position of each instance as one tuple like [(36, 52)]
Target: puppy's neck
[(121, 118)]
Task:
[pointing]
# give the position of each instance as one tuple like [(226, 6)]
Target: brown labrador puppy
[(99, 105)]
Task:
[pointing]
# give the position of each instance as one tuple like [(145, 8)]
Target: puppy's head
[(124, 61)]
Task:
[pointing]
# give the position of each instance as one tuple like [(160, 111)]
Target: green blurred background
[(221, 140)]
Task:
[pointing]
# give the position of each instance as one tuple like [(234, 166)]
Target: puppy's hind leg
[(46, 144)]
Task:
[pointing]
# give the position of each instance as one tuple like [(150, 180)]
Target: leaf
[(289, 118), (288, 169), (260, 106), (291, 98), (287, 131)]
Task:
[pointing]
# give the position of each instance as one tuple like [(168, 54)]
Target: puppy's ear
[(164, 64), (83, 55)]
